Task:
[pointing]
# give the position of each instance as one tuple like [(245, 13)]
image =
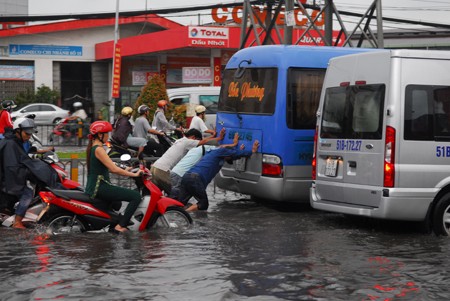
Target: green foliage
[(43, 95), (46, 95), (154, 91)]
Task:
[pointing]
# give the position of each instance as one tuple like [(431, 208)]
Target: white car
[(45, 113)]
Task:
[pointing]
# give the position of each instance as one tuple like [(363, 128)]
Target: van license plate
[(239, 164), (331, 167)]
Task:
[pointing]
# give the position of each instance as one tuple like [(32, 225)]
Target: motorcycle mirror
[(125, 157)]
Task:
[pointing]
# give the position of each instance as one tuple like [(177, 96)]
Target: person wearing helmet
[(142, 129), (198, 121), (99, 165), (79, 112), (161, 168), (160, 122), (5, 116), (17, 169), (123, 130)]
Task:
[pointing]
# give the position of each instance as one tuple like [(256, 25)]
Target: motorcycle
[(7, 215), (114, 149), (67, 129), (75, 212)]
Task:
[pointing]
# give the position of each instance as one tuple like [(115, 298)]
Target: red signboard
[(116, 72), (217, 71)]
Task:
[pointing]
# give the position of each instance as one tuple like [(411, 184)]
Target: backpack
[(122, 129)]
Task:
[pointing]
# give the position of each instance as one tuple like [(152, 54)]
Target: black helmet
[(8, 105)]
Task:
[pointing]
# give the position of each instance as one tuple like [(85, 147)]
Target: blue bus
[(271, 93)]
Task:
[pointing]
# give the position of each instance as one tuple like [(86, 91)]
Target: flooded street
[(238, 250)]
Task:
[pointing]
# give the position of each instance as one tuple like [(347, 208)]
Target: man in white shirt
[(198, 122), (161, 168)]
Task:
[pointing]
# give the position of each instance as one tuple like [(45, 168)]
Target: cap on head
[(25, 124), (126, 111), (77, 104), (200, 109), (162, 103)]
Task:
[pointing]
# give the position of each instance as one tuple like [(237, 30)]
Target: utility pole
[(112, 110), (289, 21), (329, 10)]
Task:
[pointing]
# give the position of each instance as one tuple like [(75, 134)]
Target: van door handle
[(352, 164), (369, 146)]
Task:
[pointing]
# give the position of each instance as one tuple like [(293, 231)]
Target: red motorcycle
[(74, 211), (34, 210), (67, 129)]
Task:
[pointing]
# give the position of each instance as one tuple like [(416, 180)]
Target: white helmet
[(77, 104), (25, 124)]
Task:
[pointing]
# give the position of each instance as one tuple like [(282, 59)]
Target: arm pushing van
[(382, 146)]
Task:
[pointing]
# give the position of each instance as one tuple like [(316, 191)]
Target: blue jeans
[(192, 186), (175, 180), (24, 201)]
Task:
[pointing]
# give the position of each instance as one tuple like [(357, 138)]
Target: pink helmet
[(100, 127)]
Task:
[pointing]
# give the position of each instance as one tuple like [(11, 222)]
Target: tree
[(154, 91), (43, 95)]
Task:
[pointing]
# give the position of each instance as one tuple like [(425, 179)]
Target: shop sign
[(50, 50), (217, 37), (140, 78), (224, 15), (197, 75), (12, 72)]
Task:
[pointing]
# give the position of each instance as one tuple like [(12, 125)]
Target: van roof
[(192, 89)]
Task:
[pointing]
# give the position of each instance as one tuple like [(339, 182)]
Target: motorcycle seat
[(83, 197), (73, 194)]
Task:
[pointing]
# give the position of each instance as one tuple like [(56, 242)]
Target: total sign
[(200, 36)]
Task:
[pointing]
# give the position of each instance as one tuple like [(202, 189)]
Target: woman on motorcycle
[(99, 165), (5, 116)]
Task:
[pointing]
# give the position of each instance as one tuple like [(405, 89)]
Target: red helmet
[(100, 127), (162, 103)]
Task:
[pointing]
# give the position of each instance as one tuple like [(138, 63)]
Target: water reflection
[(239, 250)]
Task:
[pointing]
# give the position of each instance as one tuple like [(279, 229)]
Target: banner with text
[(116, 71)]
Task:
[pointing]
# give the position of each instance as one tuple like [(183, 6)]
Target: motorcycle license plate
[(239, 164), (331, 167)]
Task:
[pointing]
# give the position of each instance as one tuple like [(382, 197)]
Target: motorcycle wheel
[(64, 223), (175, 218)]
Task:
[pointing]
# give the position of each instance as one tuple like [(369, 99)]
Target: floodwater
[(238, 250)]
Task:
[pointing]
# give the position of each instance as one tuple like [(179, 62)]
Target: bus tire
[(441, 216)]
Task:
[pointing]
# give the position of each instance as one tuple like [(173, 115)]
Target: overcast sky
[(417, 10)]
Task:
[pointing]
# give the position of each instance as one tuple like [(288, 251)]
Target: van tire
[(441, 216)]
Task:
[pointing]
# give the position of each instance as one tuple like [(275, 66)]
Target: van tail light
[(272, 166), (389, 157), (314, 161)]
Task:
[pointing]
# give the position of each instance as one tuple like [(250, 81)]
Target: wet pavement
[(239, 250)]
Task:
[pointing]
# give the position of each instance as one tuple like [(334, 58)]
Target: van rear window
[(250, 91), (427, 112), (353, 112)]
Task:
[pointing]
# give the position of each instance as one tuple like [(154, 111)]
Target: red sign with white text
[(116, 71), (208, 37)]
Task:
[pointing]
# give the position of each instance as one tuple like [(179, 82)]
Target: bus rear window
[(353, 112), (253, 92), (303, 90)]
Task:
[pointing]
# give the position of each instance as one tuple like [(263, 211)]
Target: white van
[(382, 146), (193, 96)]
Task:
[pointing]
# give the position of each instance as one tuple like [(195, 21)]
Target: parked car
[(45, 113), (193, 96)]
